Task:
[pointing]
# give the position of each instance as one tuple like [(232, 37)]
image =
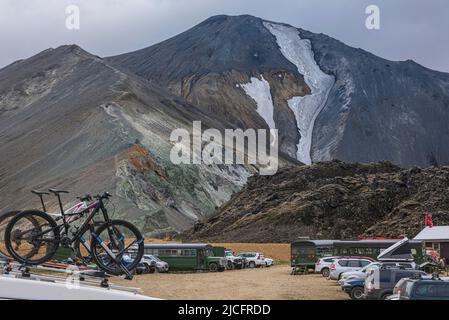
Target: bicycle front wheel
[(32, 237), (117, 245)]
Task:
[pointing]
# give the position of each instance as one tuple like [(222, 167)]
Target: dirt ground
[(274, 283)]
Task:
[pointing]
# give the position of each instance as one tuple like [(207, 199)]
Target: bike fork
[(111, 254)]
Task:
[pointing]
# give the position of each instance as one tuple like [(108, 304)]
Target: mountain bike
[(33, 237)]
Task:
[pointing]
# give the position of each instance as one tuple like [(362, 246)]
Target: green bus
[(185, 256), (305, 253)]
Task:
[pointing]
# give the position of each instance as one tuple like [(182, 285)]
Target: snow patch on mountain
[(259, 90), (307, 108)]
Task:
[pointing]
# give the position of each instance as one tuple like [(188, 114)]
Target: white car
[(253, 259), (323, 265), (269, 262), (339, 266), (161, 266), (233, 262)]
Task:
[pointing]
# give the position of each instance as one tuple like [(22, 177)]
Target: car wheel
[(357, 293), (213, 267), (385, 296), (252, 264), (229, 265), (325, 272)]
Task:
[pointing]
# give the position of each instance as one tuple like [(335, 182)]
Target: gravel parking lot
[(274, 283)]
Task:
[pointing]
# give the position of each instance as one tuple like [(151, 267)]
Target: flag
[(429, 220)]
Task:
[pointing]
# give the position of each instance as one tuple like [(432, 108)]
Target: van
[(379, 283)]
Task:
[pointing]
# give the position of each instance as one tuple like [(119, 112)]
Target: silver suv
[(339, 266)]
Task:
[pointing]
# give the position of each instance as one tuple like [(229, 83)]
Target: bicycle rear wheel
[(117, 245), (32, 237), (4, 220)]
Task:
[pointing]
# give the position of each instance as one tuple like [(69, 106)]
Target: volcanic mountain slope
[(328, 100), (68, 119), (331, 200)]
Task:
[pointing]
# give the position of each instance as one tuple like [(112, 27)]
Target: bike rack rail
[(85, 278)]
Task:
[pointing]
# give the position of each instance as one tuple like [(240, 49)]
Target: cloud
[(410, 29)]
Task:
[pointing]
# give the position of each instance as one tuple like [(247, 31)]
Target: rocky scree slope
[(331, 200)]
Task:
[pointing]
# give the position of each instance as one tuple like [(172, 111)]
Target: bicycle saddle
[(39, 193), (56, 191)]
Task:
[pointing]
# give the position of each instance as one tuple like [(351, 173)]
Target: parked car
[(253, 259), (339, 266), (380, 283), (141, 267), (323, 265), (269, 262), (374, 265), (160, 266), (354, 288), (421, 288), (234, 262)]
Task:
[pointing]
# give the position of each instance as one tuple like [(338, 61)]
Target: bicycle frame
[(89, 224), (96, 207)]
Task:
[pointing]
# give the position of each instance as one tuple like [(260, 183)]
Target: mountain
[(331, 200), (68, 119), (328, 100), (73, 120)]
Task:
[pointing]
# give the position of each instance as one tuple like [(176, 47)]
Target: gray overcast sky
[(410, 29)]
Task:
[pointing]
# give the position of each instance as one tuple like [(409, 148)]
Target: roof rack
[(84, 278)]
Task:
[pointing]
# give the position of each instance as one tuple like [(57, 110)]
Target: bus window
[(188, 253)]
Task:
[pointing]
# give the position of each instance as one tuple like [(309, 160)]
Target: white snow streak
[(259, 90), (307, 108)]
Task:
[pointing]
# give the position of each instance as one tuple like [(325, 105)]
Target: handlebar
[(105, 196), (88, 197)]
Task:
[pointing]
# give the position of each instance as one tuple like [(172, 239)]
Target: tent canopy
[(400, 251)]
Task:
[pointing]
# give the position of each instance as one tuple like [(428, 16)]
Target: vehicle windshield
[(155, 258)]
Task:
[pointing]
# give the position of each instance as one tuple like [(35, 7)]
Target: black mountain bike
[(33, 237)]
